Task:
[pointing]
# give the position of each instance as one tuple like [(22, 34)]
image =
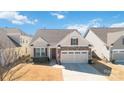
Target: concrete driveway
[(80, 72)]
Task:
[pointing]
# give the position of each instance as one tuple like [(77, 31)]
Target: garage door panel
[(118, 54), (74, 57)]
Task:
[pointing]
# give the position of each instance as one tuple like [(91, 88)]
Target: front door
[(53, 53)]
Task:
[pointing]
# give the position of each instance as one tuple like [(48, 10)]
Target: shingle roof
[(52, 36), (5, 42), (5, 37), (14, 42), (103, 32), (14, 30)]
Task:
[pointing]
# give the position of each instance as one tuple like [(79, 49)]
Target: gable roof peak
[(53, 36), (102, 33)]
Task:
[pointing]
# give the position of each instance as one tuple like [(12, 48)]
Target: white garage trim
[(71, 56), (118, 50)]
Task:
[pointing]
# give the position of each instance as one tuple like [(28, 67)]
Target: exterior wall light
[(59, 47)]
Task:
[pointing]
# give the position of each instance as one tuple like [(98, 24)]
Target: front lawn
[(31, 72)]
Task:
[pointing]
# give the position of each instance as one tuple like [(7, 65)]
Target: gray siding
[(119, 43)]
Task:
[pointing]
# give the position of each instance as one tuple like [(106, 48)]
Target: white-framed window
[(83, 52), (74, 41), (121, 51), (64, 52), (114, 52), (77, 52), (71, 52), (39, 52)]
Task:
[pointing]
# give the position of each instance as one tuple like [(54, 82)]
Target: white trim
[(74, 37), (74, 57), (48, 52), (118, 50), (39, 47), (39, 38)]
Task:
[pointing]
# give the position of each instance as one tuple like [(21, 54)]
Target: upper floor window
[(74, 41)]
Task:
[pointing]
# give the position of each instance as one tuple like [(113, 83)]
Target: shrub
[(113, 61), (41, 60), (90, 61)]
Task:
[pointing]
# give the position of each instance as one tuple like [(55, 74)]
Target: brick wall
[(75, 48)]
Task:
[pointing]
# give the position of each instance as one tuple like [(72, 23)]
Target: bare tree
[(11, 58)]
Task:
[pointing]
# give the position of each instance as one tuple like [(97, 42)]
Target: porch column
[(59, 54), (48, 52)]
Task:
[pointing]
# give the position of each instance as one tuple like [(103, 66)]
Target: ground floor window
[(39, 52)]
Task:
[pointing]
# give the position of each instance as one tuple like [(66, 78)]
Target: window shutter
[(71, 41), (46, 51), (77, 41)]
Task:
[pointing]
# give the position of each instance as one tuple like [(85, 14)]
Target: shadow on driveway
[(81, 67)]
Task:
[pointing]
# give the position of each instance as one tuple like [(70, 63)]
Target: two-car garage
[(118, 55), (74, 56)]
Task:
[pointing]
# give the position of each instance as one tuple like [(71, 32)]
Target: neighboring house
[(25, 40), (19, 36), (63, 45), (108, 43), (5, 43), (10, 46)]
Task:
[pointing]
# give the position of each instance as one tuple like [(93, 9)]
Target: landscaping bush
[(41, 60), (90, 61), (113, 61)]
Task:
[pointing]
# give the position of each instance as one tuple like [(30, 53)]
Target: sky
[(31, 21)]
